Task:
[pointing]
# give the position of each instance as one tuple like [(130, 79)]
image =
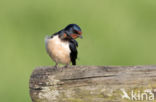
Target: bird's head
[(73, 31)]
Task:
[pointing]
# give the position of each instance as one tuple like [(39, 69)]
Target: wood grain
[(91, 83)]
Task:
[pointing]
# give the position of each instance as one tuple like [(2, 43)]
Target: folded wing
[(73, 54)]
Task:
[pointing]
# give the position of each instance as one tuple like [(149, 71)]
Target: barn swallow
[(62, 46)]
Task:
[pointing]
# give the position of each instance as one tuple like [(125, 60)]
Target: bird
[(62, 45)]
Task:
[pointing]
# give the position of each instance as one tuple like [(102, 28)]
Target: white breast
[(58, 50)]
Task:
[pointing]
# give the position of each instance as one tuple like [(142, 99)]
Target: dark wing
[(57, 33), (73, 48)]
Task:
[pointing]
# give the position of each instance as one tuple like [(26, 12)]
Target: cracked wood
[(89, 83)]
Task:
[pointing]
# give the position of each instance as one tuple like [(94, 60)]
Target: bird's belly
[(59, 51)]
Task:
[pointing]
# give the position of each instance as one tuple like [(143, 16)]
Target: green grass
[(116, 32)]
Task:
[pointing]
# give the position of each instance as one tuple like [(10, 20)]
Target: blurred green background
[(116, 32)]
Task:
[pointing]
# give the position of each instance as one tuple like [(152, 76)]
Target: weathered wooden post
[(94, 84)]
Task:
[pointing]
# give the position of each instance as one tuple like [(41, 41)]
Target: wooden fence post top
[(90, 83)]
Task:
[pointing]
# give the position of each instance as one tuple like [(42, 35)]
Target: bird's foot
[(56, 67), (66, 66)]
